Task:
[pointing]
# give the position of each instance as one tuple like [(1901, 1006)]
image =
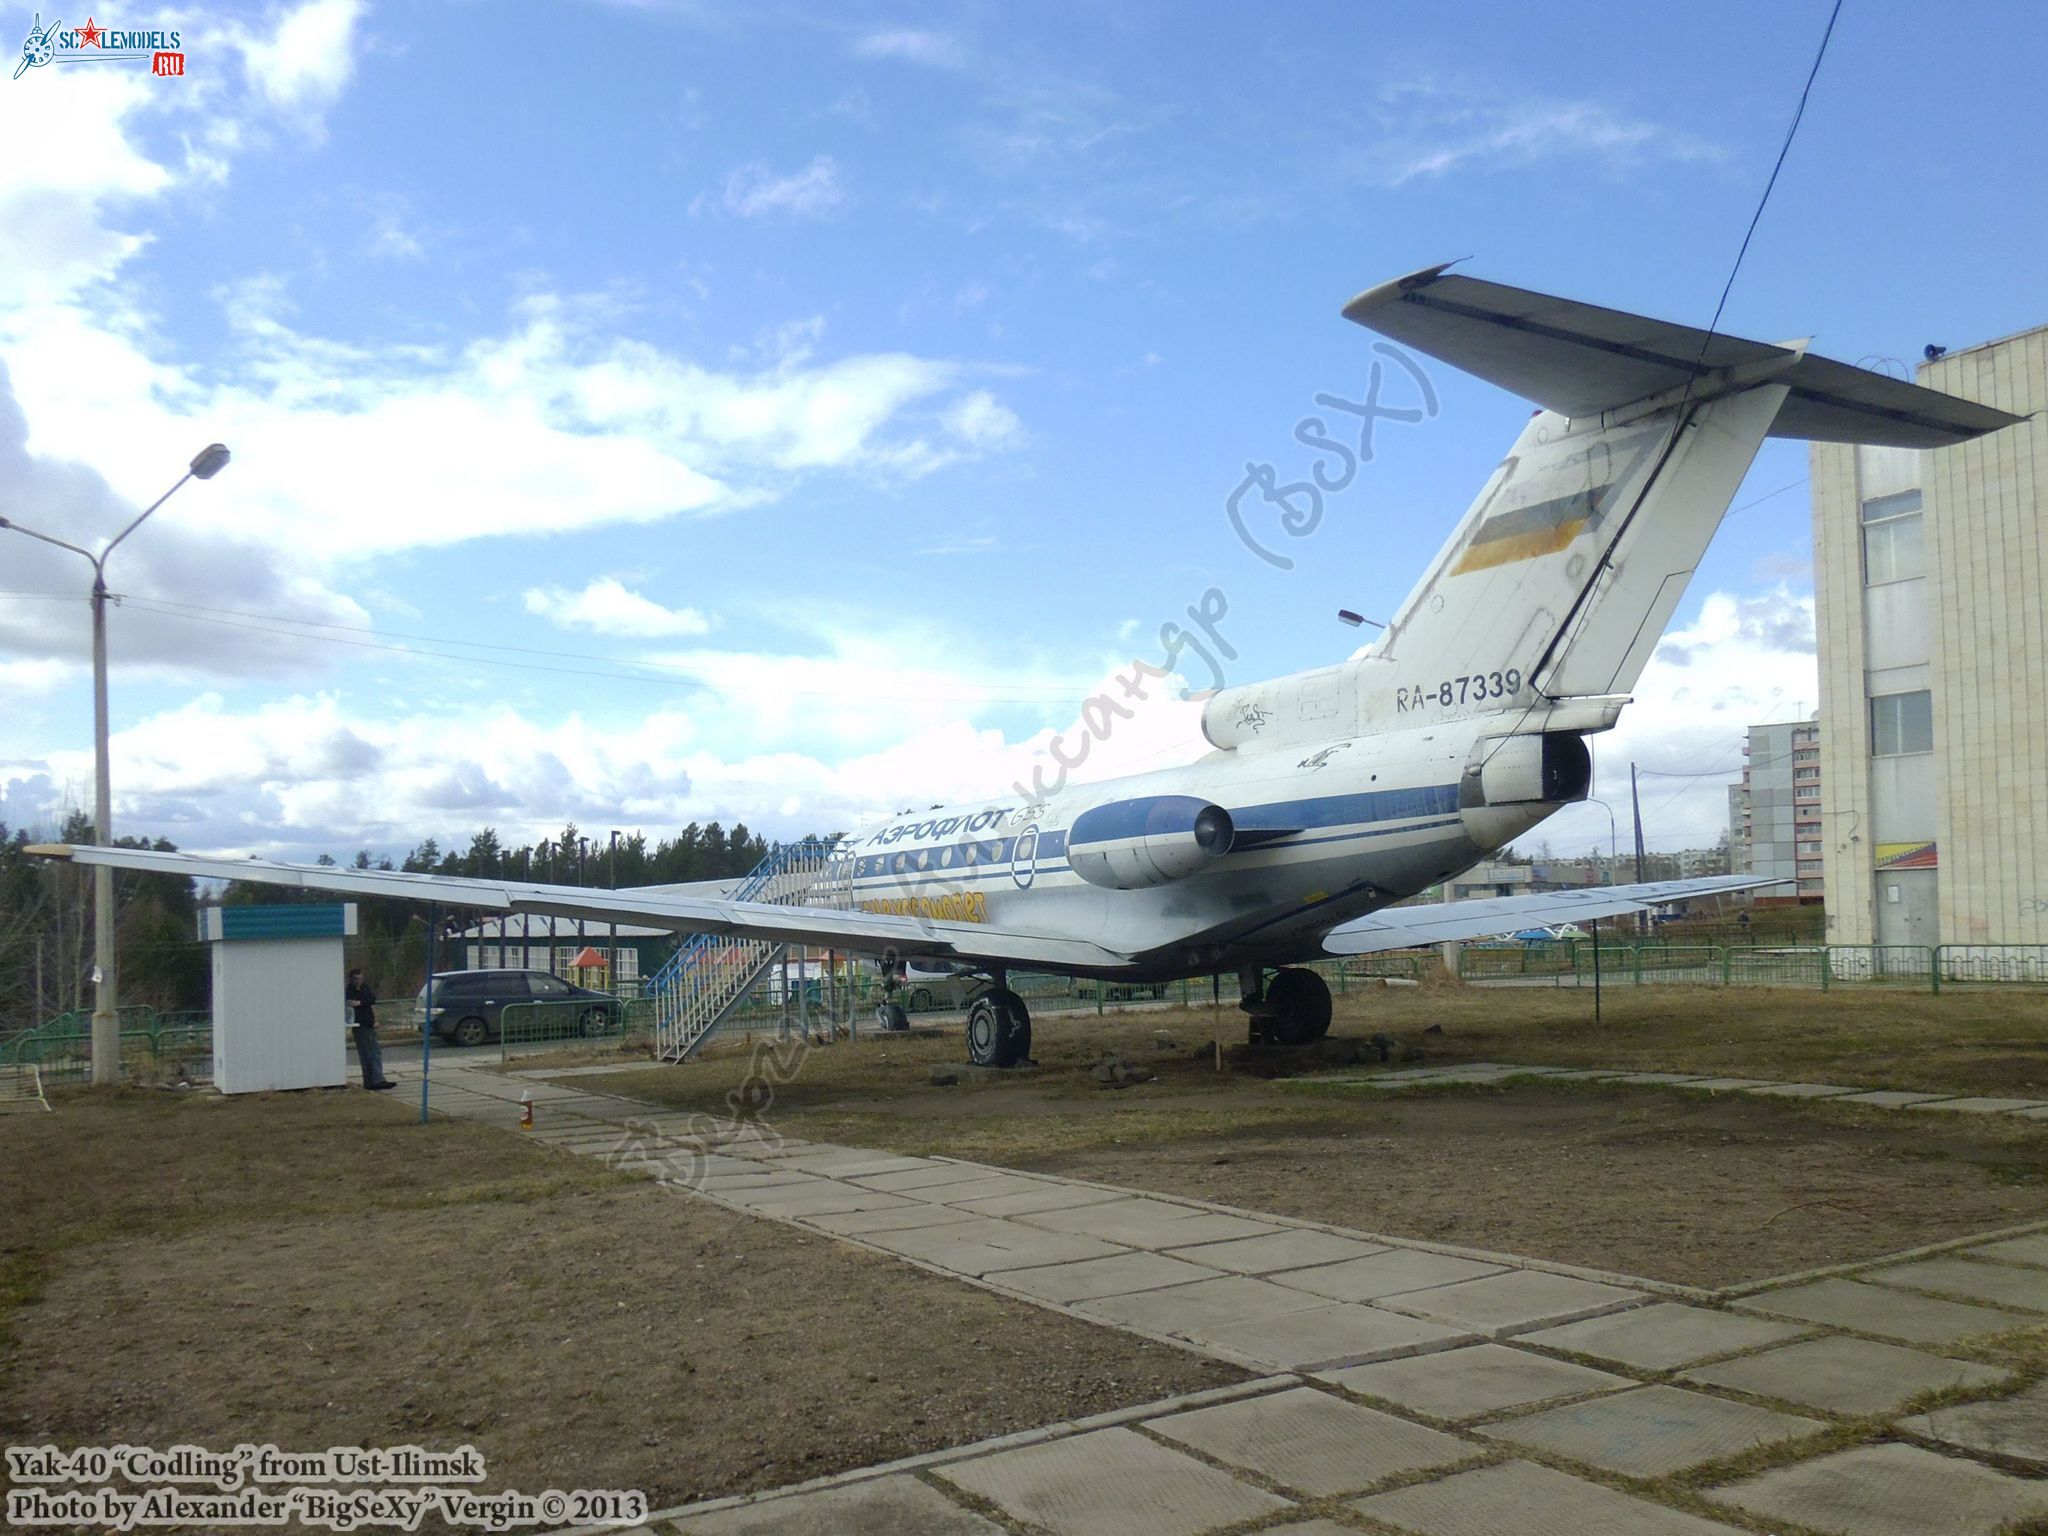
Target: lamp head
[(210, 461)]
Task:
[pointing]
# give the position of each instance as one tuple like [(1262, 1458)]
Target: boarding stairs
[(711, 975)]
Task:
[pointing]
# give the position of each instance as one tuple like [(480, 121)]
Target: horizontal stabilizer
[(1580, 360), (1488, 916)]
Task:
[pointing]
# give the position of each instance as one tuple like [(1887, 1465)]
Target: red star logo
[(89, 35)]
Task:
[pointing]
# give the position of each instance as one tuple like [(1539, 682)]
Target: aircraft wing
[(1486, 916), (682, 910)]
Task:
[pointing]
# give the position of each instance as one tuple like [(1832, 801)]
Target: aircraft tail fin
[(1560, 579)]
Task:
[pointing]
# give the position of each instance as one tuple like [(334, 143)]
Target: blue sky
[(880, 374)]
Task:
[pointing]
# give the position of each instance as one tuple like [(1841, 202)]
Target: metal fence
[(155, 1047), (1821, 966)]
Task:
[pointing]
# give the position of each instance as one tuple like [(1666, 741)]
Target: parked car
[(469, 1006)]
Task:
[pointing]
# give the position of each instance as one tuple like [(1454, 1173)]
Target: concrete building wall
[(1776, 810), (1937, 832)]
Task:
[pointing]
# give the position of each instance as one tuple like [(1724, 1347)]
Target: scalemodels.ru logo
[(94, 44)]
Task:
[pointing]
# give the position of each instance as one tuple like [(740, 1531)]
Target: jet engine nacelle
[(1129, 845), (1550, 766)]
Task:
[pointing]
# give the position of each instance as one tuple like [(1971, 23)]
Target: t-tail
[(1553, 590)]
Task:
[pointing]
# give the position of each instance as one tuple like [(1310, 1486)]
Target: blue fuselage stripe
[(992, 857)]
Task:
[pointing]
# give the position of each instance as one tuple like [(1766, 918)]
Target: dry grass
[(319, 1269)]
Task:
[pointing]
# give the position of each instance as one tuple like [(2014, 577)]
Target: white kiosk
[(278, 1015)]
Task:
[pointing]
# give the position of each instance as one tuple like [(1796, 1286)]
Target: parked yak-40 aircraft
[(1334, 793)]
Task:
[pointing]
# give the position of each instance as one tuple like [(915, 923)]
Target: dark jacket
[(362, 1002)]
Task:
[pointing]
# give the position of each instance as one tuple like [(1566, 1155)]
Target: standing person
[(362, 1004)]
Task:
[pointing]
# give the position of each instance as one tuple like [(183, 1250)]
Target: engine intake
[(1130, 845)]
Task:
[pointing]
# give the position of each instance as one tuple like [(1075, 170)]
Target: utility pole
[(1635, 800), (611, 969), (106, 1020)]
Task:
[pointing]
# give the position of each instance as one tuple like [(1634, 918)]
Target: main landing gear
[(1293, 1008), (998, 1028)]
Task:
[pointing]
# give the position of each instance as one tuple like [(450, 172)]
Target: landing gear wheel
[(998, 1029), (1300, 1003), (890, 1016)]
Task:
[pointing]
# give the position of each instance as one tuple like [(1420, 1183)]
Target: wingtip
[(1385, 293), (48, 850)]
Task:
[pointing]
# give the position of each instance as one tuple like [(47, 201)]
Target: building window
[(1893, 543), (1901, 723)]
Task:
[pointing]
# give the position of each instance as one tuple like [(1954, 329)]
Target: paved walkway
[(1402, 1387), (1481, 1072)]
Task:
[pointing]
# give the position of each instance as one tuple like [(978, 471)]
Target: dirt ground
[(1680, 1187), (317, 1270)]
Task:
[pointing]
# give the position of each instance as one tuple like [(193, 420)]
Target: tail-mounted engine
[(1549, 766), (1129, 845)]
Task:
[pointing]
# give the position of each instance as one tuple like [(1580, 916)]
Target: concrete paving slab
[(1046, 1197), (1093, 1278), (1527, 1500), (1182, 1310), (1888, 1313), (1657, 1078), (990, 1188), (1145, 1223), (898, 1505), (1662, 1336), (1110, 1480), (927, 1177), (1291, 1249), (1514, 1302), (893, 1219), (2001, 1285), (855, 1165), (1854, 1376), (1802, 1090), (2030, 1114), (2015, 1427), (985, 1247), (1472, 1382), (1888, 1490), (1725, 1084), (1893, 1098), (1585, 1074), (1312, 1442), (2016, 1250), (1651, 1431), (1309, 1528), (1330, 1336), (833, 1200), (724, 1183), (1982, 1106), (1391, 1273)]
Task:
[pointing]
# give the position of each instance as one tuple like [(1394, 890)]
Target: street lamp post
[(106, 1026)]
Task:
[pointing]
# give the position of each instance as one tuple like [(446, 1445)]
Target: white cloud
[(934, 50), (982, 422), (756, 191), (302, 63), (609, 607), (1431, 128), (1744, 660)]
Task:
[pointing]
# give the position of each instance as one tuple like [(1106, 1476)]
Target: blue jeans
[(370, 1054)]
